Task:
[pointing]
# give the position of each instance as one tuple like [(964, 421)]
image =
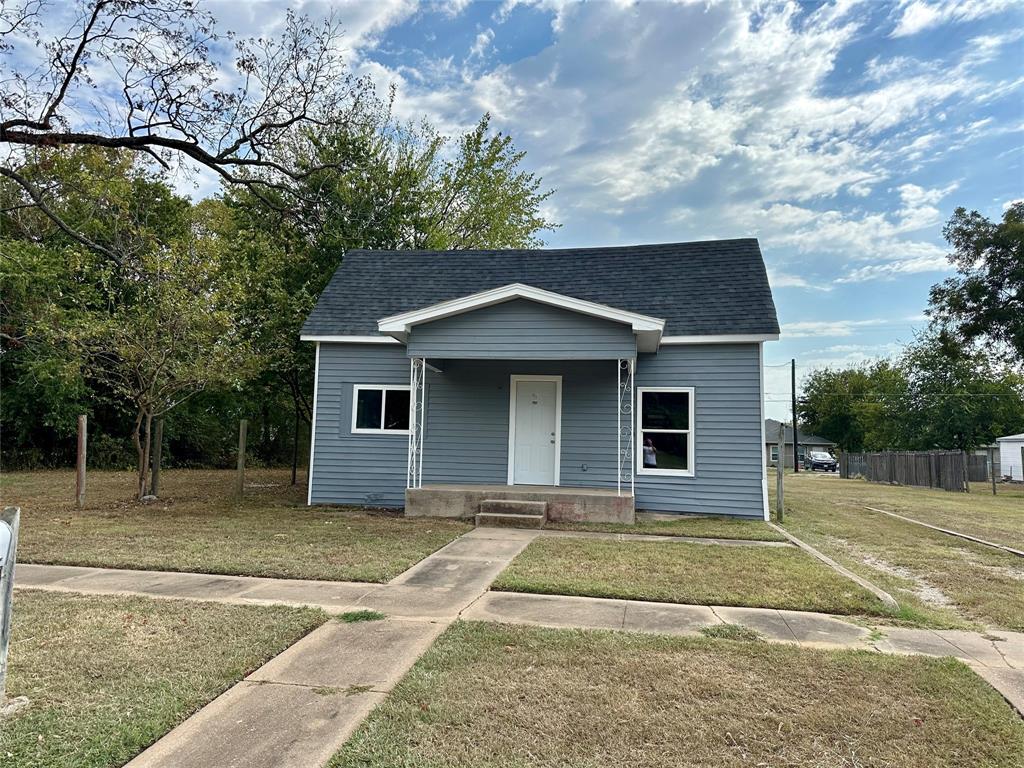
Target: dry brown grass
[(491, 695), (197, 525), (107, 676), (940, 580), (680, 572)]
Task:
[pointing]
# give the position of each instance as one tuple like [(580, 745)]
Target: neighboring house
[(805, 444), (596, 380), (1011, 456)]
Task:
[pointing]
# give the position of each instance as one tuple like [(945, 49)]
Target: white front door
[(534, 439)]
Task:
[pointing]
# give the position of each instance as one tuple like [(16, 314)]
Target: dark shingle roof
[(711, 287), (771, 435)]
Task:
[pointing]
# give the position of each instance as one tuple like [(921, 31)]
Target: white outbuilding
[(1011, 456)]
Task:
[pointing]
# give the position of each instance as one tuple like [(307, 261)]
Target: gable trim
[(399, 325), (349, 339)]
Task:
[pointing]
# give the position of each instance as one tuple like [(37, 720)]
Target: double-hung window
[(380, 409), (664, 444)]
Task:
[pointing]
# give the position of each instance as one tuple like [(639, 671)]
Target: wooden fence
[(949, 470)]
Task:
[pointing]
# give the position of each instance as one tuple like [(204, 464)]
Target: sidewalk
[(300, 707)]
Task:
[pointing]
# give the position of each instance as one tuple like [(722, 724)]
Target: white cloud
[(918, 15)]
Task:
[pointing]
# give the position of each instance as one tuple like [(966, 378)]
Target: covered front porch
[(550, 435)]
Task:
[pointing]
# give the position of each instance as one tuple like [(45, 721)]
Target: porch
[(562, 503)]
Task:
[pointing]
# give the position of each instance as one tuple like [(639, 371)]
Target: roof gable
[(647, 329)]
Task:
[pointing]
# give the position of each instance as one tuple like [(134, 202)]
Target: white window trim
[(514, 380), (357, 388), (690, 433), (773, 452)]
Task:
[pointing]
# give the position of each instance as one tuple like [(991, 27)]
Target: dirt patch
[(925, 591)]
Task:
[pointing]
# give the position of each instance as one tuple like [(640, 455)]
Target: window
[(665, 431), (380, 409), (775, 453)]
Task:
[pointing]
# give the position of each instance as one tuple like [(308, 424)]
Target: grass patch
[(354, 617), (677, 572), (108, 676), (698, 527), (940, 580), (198, 526), (731, 632), (493, 695)]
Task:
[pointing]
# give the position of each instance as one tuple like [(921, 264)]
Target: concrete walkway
[(300, 707)]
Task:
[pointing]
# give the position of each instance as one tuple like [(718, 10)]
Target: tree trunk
[(143, 447), (139, 466)]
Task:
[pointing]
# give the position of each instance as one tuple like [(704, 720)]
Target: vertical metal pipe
[(632, 429), (618, 427), (10, 517), (423, 411), (412, 423)]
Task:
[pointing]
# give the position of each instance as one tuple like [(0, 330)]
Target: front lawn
[(943, 581), (493, 695), (679, 572), (684, 525), (108, 676), (198, 526)]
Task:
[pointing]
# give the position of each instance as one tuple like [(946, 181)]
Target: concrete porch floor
[(564, 503)]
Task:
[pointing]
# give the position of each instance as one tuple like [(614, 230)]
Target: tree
[(855, 407), (140, 75), (986, 298), (154, 327), (924, 400)]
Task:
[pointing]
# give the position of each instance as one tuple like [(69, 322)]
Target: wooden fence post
[(779, 495), (80, 463), (154, 483), (992, 468), (243, 427)]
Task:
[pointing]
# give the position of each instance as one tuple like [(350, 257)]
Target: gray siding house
[(598, 380)]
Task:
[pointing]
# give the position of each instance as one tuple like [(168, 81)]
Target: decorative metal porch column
[(417, 408), (627, 420)]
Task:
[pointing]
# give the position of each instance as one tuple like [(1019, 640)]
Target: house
[(1011, 456), (590, 381), (806, 443)]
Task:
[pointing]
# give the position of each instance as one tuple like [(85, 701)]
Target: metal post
[(154, 483), (796, 433), (243, 428), (992, 468), (80, 462), (618, 427), (422, 400), (9, 520), (779, 496)]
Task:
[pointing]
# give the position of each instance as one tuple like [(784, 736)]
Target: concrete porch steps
[(512, 513)]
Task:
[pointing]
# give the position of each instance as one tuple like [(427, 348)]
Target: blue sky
[(840, 134)]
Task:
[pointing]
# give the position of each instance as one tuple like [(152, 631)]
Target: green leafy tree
[(985, 300), (151, 328)]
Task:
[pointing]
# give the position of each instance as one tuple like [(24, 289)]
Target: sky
[(841, 134)]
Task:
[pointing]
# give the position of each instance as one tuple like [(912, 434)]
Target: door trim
[(514, 380)]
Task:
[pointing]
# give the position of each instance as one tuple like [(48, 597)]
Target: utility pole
[(796, 434), (779, 496)]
